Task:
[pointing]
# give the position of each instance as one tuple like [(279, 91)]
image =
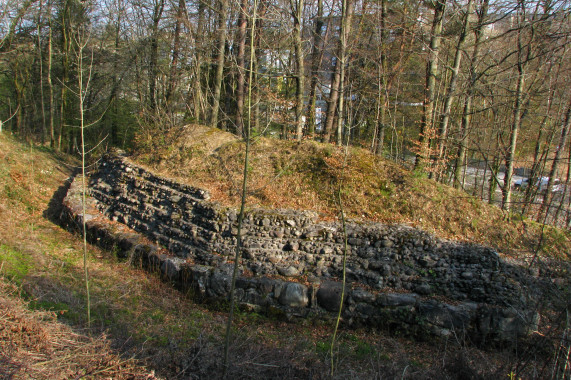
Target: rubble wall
[(397, 276)]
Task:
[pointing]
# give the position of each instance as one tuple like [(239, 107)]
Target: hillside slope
[(307, 175), (40, 278), (150, 328)]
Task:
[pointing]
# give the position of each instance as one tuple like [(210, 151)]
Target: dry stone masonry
[(398, 276)]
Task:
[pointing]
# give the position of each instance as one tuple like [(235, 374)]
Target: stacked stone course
[(291, 262)]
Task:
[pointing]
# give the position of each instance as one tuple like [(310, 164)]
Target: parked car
[(521, 184), (541, 184)]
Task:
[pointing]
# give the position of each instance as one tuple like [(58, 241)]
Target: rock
[(366, 252), (397, 299), (467, 275), (279, 233), (294, 295), (200, 275), (289, 271), (221, 279), (423, 289), (248, 253), (366, 310), (291, 246), (446, 316), (329, 295), (386, 243), (170, 268), (360, 295), (265, 285), (385, 270), (354, 241), (310, 233), (426, 261), (375, 264), (400, 256), (273, 258)]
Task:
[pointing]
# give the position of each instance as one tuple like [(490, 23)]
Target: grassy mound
[(42, 297), (307, 175)]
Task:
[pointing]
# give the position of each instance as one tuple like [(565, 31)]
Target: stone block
[(396, 299), (294, 295), (329, 295)]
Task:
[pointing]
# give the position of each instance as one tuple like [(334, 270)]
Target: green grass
[(15, 265)]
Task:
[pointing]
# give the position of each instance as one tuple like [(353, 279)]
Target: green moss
[(14, 264)]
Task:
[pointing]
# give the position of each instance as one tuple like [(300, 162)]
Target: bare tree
[(333, 101), (297, 8), (220, 58), (158, 7), (556, 162), (316, 58), (470, 92), (451, 90), (244, 193), (173, 73), (426, 126)]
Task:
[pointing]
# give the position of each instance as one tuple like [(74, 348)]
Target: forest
[(442, 86)]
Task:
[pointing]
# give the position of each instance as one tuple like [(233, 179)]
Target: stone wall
[(397, 276)]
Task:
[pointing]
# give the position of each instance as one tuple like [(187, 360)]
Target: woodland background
[(442, 85)]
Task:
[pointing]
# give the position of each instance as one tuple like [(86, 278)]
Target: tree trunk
[(256, 93), (555, 165), (381, 118), (175, 51), (239, 238), (517, 111), (41, 64), (154, 53), (241, 95), (346, 17), (50, 84), (426, 127), (333, 101), (112, 101), (451, 91), (66, 52), (297, 13), (316, 57), (467, 111), (198, 96), (539, 154), (222, 19)]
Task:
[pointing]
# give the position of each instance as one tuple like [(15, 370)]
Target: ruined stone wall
[(292, 262)]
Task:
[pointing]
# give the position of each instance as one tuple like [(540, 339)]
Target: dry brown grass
[(165, 331), (34, 345), (287, 174)]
